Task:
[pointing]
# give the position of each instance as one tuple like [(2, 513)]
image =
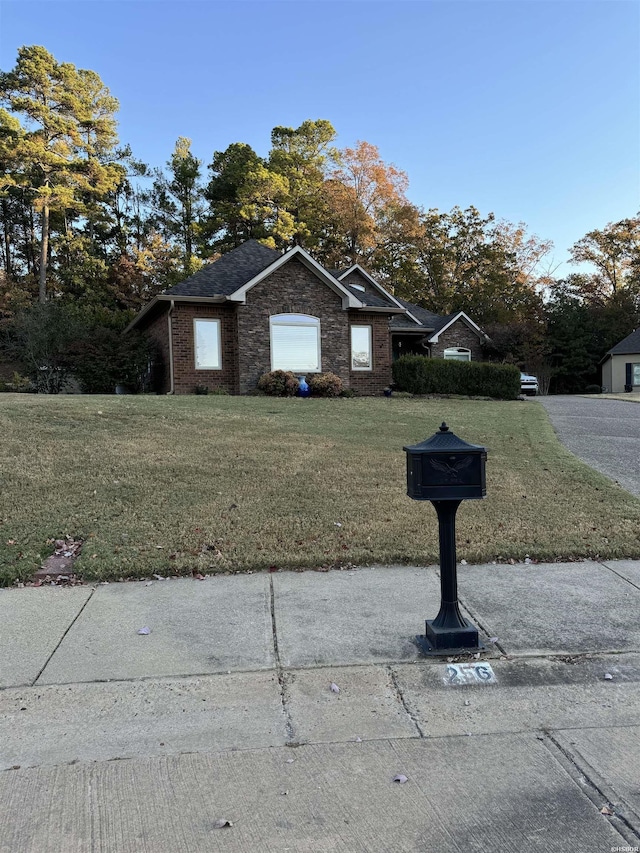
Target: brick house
[(256, 310)]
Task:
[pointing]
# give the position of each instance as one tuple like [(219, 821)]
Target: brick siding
[(185, 374), (369, 382), (458, 335), (291, 289)]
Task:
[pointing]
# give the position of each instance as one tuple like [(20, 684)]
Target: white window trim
[(370, 330), (195, 344), (459, 351), (314, 322)]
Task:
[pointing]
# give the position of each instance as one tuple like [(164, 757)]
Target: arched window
[(295, 343), (458, 353)]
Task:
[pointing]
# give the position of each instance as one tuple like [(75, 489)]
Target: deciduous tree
[(614, 251), (362, 187)]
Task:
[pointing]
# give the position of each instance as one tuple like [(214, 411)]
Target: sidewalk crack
[(476, 621), (69, 627), (394, 681), (593, 788), (617, 574), (283, 679)]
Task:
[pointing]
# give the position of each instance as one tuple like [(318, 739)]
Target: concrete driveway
[(603, 433)]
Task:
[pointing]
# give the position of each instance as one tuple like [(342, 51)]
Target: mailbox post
[(446, 470)]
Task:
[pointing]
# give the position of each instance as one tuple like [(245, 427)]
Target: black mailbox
[(445, 468)]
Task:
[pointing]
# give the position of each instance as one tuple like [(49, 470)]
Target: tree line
[(89, 228)]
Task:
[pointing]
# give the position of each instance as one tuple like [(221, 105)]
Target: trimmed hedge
[(420, 374)]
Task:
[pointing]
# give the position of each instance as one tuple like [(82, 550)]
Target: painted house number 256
[(469, 673)]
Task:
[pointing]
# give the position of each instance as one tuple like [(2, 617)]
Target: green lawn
[(175, 484)]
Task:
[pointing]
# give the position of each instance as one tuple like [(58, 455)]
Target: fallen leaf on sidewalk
[(608, 676), (334, 688), (144, 630), (221, 823), (401, 778), (606, 810)]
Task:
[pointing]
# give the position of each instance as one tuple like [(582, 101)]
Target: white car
[(528, 384)]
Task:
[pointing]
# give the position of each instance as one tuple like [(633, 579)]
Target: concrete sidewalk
[(224, 711)]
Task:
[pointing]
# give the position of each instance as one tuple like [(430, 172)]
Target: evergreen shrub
[(420, 374)]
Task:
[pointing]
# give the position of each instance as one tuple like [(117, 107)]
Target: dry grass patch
[(181, 484)]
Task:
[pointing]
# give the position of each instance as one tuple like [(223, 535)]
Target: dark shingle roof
[(368, 298), (630, 344), (427, 319), (228, 273)]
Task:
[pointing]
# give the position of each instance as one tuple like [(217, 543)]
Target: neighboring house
[(255, 310), (621, 365)]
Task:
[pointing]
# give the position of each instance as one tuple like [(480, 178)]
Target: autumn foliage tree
[(614, 253), (360, 189)]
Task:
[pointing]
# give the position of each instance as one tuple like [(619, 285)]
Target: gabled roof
[(421, 317), (224, 276), (383, 294), (348, 299), (450, 320), (236, 272), (628, 345), (231, 276), (432, 324)]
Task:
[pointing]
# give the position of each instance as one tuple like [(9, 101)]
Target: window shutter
[(628, 382)]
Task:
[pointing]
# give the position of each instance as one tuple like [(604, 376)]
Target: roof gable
[(357, 272), (349, 300), (450, 320)]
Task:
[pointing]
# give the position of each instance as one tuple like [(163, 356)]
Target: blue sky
[(527, 108)]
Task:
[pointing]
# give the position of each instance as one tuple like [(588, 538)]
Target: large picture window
[(295, 343), (361, 357), (206, 336)]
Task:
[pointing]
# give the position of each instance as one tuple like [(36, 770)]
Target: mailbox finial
[(444, 427)]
